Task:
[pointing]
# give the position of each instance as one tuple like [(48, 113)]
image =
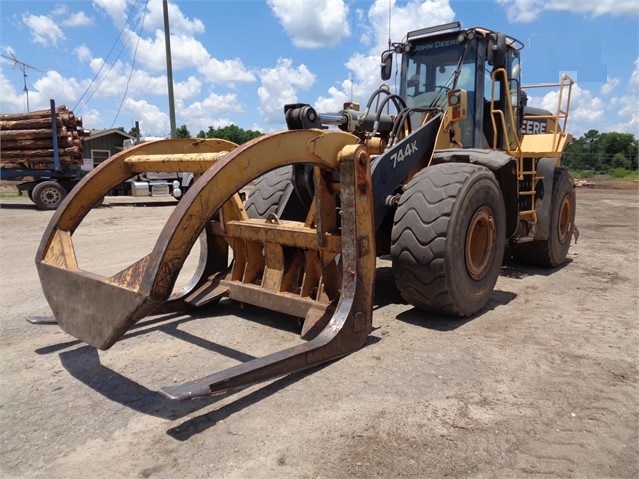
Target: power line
[(135, 53), (105, 63)]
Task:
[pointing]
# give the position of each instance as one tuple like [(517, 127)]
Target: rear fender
[(503, 166)]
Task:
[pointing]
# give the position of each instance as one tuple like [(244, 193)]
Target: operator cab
[(482, 62)]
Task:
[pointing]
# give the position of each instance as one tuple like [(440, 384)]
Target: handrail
[(560, 116), (512, 139)]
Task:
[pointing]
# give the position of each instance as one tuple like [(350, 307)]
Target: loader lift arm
[(391, 167)]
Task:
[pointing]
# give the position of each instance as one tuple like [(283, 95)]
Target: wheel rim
[(565, 219), (480, 241), (50, 196)]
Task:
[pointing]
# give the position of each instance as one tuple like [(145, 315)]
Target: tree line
[(602, 152), (231, 133)]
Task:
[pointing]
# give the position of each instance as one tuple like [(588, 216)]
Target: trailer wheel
[(273, 193), (48, 195), (553, 251), (448, 239)]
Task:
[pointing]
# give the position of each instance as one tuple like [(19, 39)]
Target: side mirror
[(387, 65), (496, 53)]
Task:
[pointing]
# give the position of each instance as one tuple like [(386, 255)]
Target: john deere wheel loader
[(438, 175)]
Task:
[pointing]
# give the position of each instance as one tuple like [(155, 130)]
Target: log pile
[(26, 139)]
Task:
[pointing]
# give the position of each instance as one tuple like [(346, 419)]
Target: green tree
[(602, 151), (581, 153), (182, 132), (133, 132), (612, 144), (619, 160), (232, 133)]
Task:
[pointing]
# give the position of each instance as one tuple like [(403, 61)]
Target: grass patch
[(623, 174), (614, 173), (581, 174)]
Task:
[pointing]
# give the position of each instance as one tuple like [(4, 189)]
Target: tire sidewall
[(563, 187), (41, 188), (482, 191)]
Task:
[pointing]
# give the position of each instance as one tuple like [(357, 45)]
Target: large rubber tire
[(448, 239), (274, 193), (48, 195), (552, 252)]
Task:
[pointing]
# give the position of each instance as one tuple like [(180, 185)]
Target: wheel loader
[(442, 175)]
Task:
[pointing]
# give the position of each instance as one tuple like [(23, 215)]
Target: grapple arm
[(326, 249)]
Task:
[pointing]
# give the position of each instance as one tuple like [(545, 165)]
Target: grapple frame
[(321, 269)]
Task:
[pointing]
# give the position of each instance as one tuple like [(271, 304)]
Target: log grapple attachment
[(321, 269)]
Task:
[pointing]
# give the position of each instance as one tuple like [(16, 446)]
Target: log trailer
[(42, 150), (439, 176)]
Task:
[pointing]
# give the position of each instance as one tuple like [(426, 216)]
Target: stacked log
[(26, 139)]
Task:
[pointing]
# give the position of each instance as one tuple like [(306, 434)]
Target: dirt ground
[(542, 383)]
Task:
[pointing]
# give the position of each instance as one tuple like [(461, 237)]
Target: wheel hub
[(565, 224), (50, 196), (480, 241)]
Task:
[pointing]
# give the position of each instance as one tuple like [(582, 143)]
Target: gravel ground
[(542, 383)]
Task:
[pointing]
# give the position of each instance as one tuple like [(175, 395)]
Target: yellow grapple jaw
[(321, 269)]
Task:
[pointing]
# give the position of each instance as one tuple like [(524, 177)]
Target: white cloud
[(91, 118), (83, 53), (594, 8), (117, 10), (525, 11), (11, 100), (78, 19), (335, 100), (633, 84), (213, 103), (280, 86), (53, 85), (591, 112), (179, 23), (43, 30), (586, 110), (626, 105), (187, 89), (188, 52), (226, 71), (59, 10), (140, 83), (364, 69), (322, 23), (113, 81), (413, 15), (628, 116), (153, 121), (200, 115), (610, 85)]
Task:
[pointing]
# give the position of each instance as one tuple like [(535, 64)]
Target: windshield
[(430, 71)]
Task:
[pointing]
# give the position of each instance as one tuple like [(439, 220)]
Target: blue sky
[(241, 61)]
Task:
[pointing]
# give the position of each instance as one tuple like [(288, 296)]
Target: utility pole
[(23, 67), (169, 67)]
